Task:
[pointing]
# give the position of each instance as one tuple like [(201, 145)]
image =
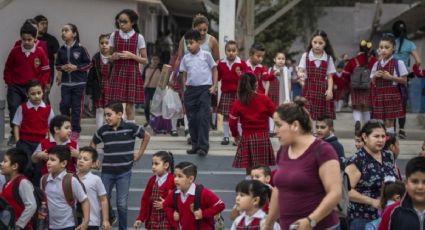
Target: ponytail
[(255, 188), (166, 157)]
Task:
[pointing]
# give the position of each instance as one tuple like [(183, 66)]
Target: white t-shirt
[(95, 189), (126, 35), (317, 61), (198, 67)]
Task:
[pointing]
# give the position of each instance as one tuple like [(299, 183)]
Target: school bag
[(360, 78), (77, 210), (402, 88), (218, 219), (7, 215)]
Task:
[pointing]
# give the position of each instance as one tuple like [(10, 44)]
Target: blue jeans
[(358, 224), (122, 186)]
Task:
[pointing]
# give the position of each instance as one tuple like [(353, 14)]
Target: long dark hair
[(255, 188), (328, 47), (400, 31), (132, 15), (74, 29), (246, 87)]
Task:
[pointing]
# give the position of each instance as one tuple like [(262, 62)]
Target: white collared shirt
[(95, 189), (190, 191), (402, 70), (198, 67), (104, 59), (127, 35), (60, 213), (317, 61), (260, 214), (17, 119), (160, 180), (27, 52), (229, 65), (249, 64)]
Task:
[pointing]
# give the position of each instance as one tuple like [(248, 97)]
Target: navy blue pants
[(32, 170), (197, 101), (72, 105), (16, 95), (149, 92)]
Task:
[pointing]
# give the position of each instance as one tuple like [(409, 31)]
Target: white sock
[(186, 123), (340, 104), (357, 115), (271, 125), (239, 128), (366, 116), (390, 130), (226, 128), (173, 124), (214, 118), (99, 117)]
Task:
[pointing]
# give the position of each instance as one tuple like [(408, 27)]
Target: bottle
[(42, 216)]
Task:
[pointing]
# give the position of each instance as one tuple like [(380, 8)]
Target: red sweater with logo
[(35, 123), (229, 77)]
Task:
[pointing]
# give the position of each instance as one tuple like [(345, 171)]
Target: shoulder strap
[(175, 200), (15, 189), (44, 182), (196, 203), (67, 189), (397, 71)]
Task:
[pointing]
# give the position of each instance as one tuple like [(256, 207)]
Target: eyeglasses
[(122, 21)]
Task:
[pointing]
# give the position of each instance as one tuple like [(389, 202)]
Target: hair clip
[(369, 45), (363, 43), (389, 179)]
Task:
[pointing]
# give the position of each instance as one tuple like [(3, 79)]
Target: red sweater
[(351, 64), (19, 69), (229, 77), (35, 123), (38, 43), (209, 203), (47, 144), (253, 117), (146, 204), (262, 74)]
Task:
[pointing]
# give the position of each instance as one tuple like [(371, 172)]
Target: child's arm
[(85, 206), (105, 211), (17, 120), (212, 205), (266, 85), (44, 71), (97, 138), (146, 138), (142, 58), (39, 155), (184, 77), (80, 195), (233, 122), (214, 80), (26, 193), (329, 90), (16, 132), (8, 69), (84, 64)]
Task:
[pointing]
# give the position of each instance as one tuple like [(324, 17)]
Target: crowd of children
[(48, 160)]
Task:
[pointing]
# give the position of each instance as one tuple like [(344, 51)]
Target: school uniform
[(157, 188), (277, 85), (386, 97), (254, 147), (126, 84), (261, 74), (52, 46), (94, 188), (340, 85), (209, 203), (254, 222), (316, 84), (359, 97), (98, 78), (73, 84), (229, 74)]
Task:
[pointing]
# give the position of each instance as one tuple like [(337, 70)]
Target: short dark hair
[(166, 157), (115, 106), (414, 165), (28, 28), (188, 168), (327, 120), (61, 151), (32, 83), (92, 151), (256, 47), (57, 122), (231, 42), (266, 169), (192, 35), (19, 157), (102, 36), (39, 18)]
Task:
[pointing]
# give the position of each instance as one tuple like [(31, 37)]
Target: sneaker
[(402, 134), (202, 153), (357, 126), (174, 133), (75, 136), (225, 141), (191, 151), (11, 141)]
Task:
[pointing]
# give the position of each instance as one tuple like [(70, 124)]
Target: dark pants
[(16, 95), (70, 228), (197, 101), (72, 105), (93, 228), (149, 92), (32, 171)]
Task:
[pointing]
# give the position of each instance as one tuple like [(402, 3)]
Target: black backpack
[(7, 215), (360, 78)]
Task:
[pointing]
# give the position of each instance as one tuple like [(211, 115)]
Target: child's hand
[(375, 203), (115, 56), (212, 89), (106, 225), (126, 55), (386, 75), (277, 72), (71, 68), (74, 152), (379, 73), (176, 216), (96, 165), (329, 95), (237, 140), (158, 204), (83, 226), (43, 155), (137, 224), (59, 78), (137, 156), (198, 214)]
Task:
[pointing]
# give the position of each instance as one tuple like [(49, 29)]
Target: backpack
[(77, 210), (218, 219), (7, 215), (360, 78), (342, 207), (402, 88)]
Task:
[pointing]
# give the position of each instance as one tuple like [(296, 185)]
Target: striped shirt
[(118, 146)]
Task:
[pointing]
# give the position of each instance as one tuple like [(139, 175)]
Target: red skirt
[(360, 97), (386, 103), (254, 149), (125, 84), (226, 100), (317, 104), (274, 92)]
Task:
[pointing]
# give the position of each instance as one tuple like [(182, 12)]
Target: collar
[(72, 44), (260, 214), (311, 56), (87, 175), (383, 63), (190, 191), (52, 139), (103, 58), (161, 179), (32, 50), (60, 176), (30, 105), (197, 53), (127, 34), (122, 123), (253, 67), (237, 60)]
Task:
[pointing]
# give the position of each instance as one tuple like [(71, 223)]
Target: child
[(128, 50), (73, 61), (151, 76), (157, 189), (358, 140), (325, 131), (13, 166), (60, 133), (406, 214), (95, 189), (119, 137), (386, 74), (340, 86), (422, 152), (256, 56), (200, 77), (392, 145), (31, 122), (98, 77), (278, 88), (360, 98), (253, 110), (315, 69), (182, 212), (251, 196), (60, 212), (229, 70), (25, 62)]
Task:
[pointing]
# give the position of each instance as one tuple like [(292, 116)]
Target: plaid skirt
[(254, 149), (360, 97), (158, 218), (317, 104), (226, 100), (386, 103), (125, 84), (274, 92)]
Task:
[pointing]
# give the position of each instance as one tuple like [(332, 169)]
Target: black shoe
[(357, 126), (234, 144), (11, 141), (225, 141), (191, 151), (146, 125), (402, 134), (174, 133), (113, 220), (202, 153)]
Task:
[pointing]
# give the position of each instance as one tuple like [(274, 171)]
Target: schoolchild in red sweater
[(159, 186), (253, 110), (229, 70), (256, 56), (185, 216), (25, 62), (340, 86), (38, 43)]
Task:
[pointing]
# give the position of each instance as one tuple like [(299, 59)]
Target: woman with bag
[(308, 181), (151, 75)]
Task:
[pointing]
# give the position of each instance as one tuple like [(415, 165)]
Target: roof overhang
[(156, 3)]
